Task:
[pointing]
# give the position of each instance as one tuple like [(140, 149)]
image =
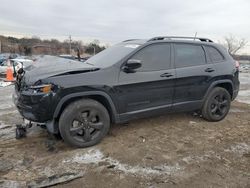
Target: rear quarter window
[(187, 55), (214, 54)]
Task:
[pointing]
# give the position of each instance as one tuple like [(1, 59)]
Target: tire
[(216, 105), (84, 123)]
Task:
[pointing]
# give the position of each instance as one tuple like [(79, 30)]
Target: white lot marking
[(95, 156), (239, 149)]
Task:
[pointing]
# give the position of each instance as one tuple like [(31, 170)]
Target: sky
[(112, 21)]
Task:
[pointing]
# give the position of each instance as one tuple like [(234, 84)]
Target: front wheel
[(84, 123), (216, 105)]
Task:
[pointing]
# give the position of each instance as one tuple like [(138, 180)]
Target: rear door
[(152, 85), (193, 74)]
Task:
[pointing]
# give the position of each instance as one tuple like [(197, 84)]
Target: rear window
[(187, 55), (214, 54)]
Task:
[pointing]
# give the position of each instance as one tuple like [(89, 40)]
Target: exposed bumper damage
[(29, 109)]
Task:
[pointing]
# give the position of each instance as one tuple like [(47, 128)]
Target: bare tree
[(234, 44)]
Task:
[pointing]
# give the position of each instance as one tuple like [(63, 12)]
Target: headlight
[(46, 88)]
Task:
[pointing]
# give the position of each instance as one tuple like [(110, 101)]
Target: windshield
[(111, 55)]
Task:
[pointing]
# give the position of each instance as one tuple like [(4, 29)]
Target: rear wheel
[(84, 123), (216, 105)]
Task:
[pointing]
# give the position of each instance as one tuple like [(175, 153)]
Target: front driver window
[(154, 57)]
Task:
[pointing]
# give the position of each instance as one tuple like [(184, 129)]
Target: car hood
[(48, 66)]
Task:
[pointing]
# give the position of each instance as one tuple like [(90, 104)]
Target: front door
[(151, 86)]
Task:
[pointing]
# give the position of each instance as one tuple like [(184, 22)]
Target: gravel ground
[(174, 150)]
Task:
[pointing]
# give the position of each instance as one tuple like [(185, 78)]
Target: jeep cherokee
[(132, 79)]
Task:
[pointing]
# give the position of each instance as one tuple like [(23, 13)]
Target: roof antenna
[(195, 35)]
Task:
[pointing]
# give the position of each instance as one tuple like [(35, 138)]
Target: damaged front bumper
[(36, 108)]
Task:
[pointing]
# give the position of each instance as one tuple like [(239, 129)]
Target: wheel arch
[(99, 96), (226, 84)]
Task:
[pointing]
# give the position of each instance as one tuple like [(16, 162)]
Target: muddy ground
[(174, 150)]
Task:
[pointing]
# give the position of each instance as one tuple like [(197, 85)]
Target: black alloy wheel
[(84, 123), (216, 105)]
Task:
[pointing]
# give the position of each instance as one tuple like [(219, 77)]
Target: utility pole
[(0, 47), (70, 44)]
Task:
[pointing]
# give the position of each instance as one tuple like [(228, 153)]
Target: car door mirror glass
[(131, 65)]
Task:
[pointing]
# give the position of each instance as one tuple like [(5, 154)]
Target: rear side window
[(187, 55), (154, 57), (214, 54)]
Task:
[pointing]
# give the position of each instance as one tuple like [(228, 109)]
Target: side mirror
[(131, 65)]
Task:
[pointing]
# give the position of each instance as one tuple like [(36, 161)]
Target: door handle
[(167, 74), (209, 70)]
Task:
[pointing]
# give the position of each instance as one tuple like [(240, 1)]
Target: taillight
[(237, 64)]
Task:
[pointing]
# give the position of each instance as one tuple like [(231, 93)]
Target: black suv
[(133, 79)]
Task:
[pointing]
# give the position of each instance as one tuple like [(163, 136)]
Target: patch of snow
[(201, 158), (244, 96), (235, 110), (48, 181), (4, 84), (92, 156), (6, 131), (244, 93), (239, 149), (156, 170), (244, 66), (8, 112), (192, 159), (8, 89), (12, 184), (192, 122), (6, 106), (244, 78), (96, 156)]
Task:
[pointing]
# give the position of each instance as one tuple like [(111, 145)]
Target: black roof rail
[(177, 37), (129, 40)]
